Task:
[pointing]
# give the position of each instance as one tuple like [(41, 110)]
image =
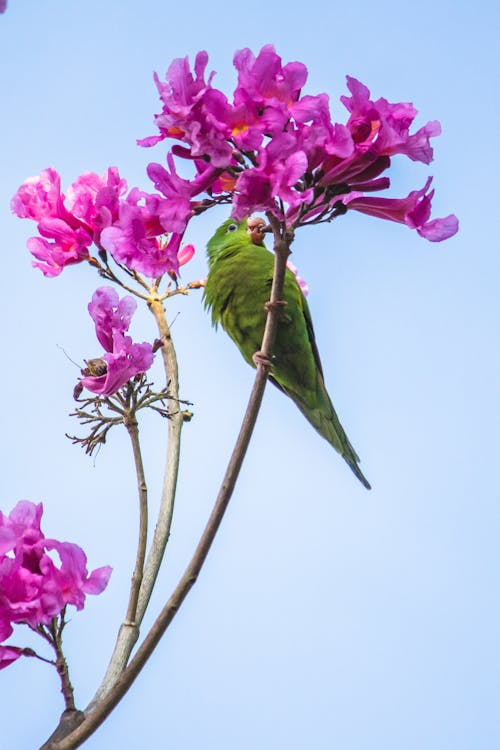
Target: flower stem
[(61, 663)]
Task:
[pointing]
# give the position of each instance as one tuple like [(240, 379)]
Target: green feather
[(237, 288)]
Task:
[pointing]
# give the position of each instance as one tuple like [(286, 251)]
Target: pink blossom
[(21, 528), (110, 313), (267, 87), (124, 359), (67, 232), (185, 254), (383, 128), (9, 654), (175, 212), (281, 166), (192, 111), (95, 199), (133, 240), (64, 246), (414, 211), (137, 238), (300, 281), (38, 197), (33, 587), (68, 582)]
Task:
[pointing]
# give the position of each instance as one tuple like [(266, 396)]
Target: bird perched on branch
[(237, 289)]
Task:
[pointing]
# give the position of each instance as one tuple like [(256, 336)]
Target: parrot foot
[(259, 358), (268, 306)]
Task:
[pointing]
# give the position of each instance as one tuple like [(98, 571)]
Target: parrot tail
[(324, 419)]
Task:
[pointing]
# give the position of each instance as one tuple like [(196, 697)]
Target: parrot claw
[(259, 358), (275, 305)]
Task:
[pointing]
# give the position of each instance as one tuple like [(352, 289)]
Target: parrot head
[(233, 232)]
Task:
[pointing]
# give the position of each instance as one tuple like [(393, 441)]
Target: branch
[(129, 631), (104, 707), (175, 422)]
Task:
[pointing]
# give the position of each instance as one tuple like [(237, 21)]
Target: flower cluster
[(38, 576), (274, 150), (96, 211), (270, 149), (123, 359)]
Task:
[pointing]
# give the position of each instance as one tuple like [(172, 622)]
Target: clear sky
[(326, 617)]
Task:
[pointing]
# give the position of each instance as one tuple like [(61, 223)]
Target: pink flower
[(33, 587), (281, 166), (124, 359), (67, 233), (193, 112), (133, 240), (185, 254), (95, 199), (9, 654), (300, 281), (383, 128), (414, 211), (38, 197), (64, 246), (175, 212), (110, 313), (267, 87), (68, 582)]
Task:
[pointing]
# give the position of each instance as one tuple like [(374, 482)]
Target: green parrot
[(238, 286)]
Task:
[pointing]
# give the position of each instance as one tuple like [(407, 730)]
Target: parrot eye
[(232, 228)]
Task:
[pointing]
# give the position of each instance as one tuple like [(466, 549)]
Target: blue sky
[(326, 616)]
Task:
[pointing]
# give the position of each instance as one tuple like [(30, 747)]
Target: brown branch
[(107, 703)]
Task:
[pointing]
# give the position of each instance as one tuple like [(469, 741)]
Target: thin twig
[(61, 663), (133, 431), (129, 629)]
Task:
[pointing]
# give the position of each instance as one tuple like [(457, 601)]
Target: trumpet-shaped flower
[(123, 358), (38, 576), (67, 231), (414, 211), (287, 156)]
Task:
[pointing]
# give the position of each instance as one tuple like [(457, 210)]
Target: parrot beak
[(255, 228)]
